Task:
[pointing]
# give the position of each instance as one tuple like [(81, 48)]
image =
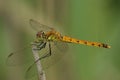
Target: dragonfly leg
[(40, 46), (44, 56)]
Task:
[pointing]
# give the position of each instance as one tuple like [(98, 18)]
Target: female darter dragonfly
[(54, 44)]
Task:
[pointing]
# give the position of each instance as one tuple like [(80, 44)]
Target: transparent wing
[(58, 50), (61, 46), (19, 57), (38, 26)]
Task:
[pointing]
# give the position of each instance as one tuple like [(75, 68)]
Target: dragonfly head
[(40, 34)]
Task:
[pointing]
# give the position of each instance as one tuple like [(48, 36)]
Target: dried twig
[(41, 73)]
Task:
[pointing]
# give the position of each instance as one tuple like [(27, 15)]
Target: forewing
[(37, 26)]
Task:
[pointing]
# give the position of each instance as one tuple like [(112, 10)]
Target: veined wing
[(38, 26), (58, 50), (19, 57)]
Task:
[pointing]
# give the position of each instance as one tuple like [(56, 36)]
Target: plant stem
[(41, 73)]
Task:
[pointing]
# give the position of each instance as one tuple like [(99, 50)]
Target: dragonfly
[(53, 43)]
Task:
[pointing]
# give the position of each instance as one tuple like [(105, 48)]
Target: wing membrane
[(19, 57), (58, 49), (38, 26)]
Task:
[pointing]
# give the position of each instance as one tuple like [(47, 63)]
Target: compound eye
[(39, 34)]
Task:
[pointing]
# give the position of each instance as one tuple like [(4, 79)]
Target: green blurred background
[(93, 20)]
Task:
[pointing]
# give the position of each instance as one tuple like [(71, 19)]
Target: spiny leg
[(40, 45), (46, 55)]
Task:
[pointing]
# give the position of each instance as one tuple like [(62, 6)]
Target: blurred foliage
[(93, 20)]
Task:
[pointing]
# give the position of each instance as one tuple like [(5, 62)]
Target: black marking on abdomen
[(99, 45), (105, 45), (78, 41), (93, 44), (70, 39), (85, 42)]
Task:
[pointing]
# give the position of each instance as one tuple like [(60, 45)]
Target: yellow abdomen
[(96, 44)]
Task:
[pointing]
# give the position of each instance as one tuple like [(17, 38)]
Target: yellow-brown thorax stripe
[(54, 35)]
